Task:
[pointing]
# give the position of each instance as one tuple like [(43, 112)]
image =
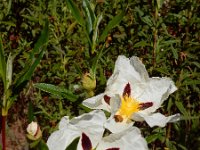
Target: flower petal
[(157, 119), (157, 91), (126, 71), (91, 124), (127, 140), (140, 68), (96, 102), (60, 139), (116, 127), (132, 67)]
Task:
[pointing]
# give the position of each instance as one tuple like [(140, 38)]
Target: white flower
[(90, 124), (129, 139), (132, 95), (125, 140), (34, 131)]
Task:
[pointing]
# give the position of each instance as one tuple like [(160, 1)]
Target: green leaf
[(30, 112), (153, 137), (57, 91), (174, 51), (90, 16), (9, 71), (9, 7), (28, 73), (163, 70), (114, 22), (33, 61), (182, 147), (169, 42), (75, 11), (196, 64), (147, 20), (8, 23), (34, 143), (42, 40), (95, 32), (141, 44), (95, 62), (181, 108), (2, 63), (43, 145), (190, 82), (74, 144)]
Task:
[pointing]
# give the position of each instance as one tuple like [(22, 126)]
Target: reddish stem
[(3, 129)]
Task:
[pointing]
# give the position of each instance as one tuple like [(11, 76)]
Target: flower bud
[(34, 131), (88, 82)]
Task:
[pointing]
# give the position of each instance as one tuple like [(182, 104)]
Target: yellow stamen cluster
[(127, 108)]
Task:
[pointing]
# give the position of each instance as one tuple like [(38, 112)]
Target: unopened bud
[(88, 82), (34, 131)]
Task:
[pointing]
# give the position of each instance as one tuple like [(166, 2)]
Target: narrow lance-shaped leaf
[(174, 52), (89, 15), (57, 91), (9, 7), (27, 75), (2, 63), (115, 21), (95, 62), (95, 32), (77, 15), (27, 72), (9, 70), (42, 40), (75, 11), (181, 108)]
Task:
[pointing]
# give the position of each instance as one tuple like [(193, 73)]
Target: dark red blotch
[(127, 90), (86, 143), (107, 99), (146, 105), (113, 149)]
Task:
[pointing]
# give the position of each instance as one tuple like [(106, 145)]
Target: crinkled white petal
[(120, 82), (116, 127), (60, 139), (140, 68), (96, 102), (157, 119), (64, 122), (91, 124), (157, 91), (125, 66), (127, 140), (115, 103), (127, 71)]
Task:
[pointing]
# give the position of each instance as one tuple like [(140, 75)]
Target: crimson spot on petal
[(127, 90), (86, 143), (146, 105), (107, 99), (113, 148)]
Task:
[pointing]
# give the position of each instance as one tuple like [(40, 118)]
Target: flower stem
[(155, 34), (3, 132)]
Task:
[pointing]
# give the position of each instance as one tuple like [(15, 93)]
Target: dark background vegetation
[(166, 38)]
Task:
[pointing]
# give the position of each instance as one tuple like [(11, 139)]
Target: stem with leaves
[(12, 88)]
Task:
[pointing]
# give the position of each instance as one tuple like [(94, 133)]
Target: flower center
[(127, 108)]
